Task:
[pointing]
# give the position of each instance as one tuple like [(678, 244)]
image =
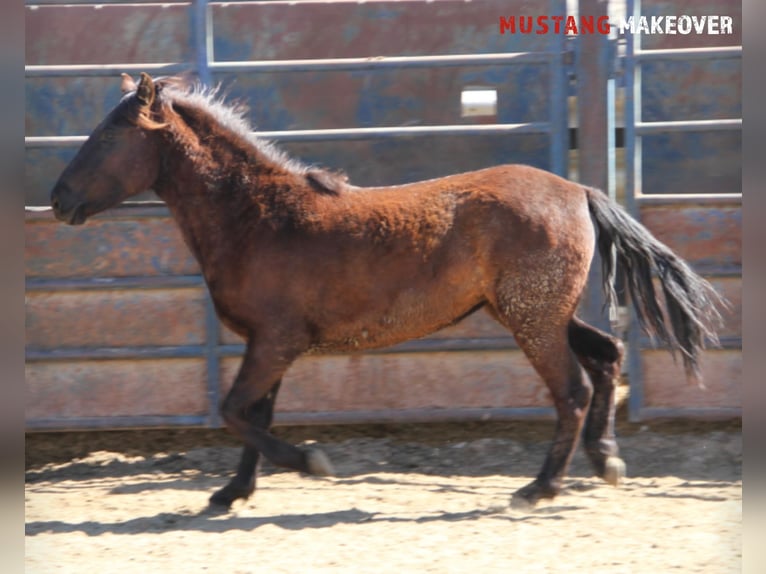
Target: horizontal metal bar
[(454, 414), (726, 344), (381, 62), (31, 3), (236, 350), (108, 283), (403, 131), (98, 353), (297, 418), (708, 53), (415, 346), (126, 210), (648, 128), (310, 65), (688, 198), (115, 422), (717, 271), (53, 141), (342, 134), (698, 413), (103, 70)]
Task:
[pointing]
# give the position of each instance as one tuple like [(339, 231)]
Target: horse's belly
[(396, 324)]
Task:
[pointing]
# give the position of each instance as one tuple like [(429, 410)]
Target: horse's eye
[(107, 135)]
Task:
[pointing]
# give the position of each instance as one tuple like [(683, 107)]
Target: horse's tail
[(691, 303)]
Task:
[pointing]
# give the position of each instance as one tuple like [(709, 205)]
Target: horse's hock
[(120, 329)]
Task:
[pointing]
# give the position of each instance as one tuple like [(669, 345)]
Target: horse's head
[(120, 159)]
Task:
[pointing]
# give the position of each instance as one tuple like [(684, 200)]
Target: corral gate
[(683, 150), (120, 330)]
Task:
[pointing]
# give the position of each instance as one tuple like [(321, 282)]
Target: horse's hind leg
[(545, 344), (601, 356), (551, 357)]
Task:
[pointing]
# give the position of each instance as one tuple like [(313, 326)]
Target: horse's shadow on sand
[(216, 522)]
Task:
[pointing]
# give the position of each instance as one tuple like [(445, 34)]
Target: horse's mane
[(232, 115)]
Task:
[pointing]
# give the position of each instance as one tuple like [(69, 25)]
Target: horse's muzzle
[(71, 212)]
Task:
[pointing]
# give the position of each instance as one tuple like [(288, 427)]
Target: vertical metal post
[(202, 47), (559, 132), (212, 362), (632, 188), (595, 137), (202, 39)]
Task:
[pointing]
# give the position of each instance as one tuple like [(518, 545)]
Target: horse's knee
[(258, 413)]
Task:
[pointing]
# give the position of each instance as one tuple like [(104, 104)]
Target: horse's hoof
[(614, 470), (318, 463), (215, 508), (526, 498), (226, 496), (218, 504), (521, 503)]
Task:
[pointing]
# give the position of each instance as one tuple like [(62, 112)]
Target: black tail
[(691, 303)]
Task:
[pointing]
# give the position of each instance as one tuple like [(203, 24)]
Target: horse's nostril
[(55, 203)]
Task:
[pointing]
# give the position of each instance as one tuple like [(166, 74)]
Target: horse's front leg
[(248, 412), (242, 485)]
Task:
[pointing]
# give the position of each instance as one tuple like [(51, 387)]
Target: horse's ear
[(145, 91), (128, 84)]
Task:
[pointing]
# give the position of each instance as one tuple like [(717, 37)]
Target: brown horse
[(297, 259)]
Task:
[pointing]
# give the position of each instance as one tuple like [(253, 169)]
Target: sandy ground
[(412, 498)]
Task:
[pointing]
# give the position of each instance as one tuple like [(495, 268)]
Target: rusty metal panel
[(731, 289), (115, 318), (665, 383), (113, 388), (94, 35), (406, 381), (692, 163), (278, 101), (339, 29), (123, 244), (389, 97), (104, 34), (706, 236), (397, 161), (696, 162), (84, 34)]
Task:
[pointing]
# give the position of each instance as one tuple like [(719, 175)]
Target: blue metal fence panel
[(682, 149)]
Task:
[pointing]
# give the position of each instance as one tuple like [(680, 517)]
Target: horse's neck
[(218, 206), (197, 202)]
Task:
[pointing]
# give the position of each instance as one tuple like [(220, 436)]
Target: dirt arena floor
[(406, 498)]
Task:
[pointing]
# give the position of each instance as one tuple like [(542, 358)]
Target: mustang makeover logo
[(573, 26)]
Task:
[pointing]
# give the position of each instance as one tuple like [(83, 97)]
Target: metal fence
[(708, 209), (478, 352)]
